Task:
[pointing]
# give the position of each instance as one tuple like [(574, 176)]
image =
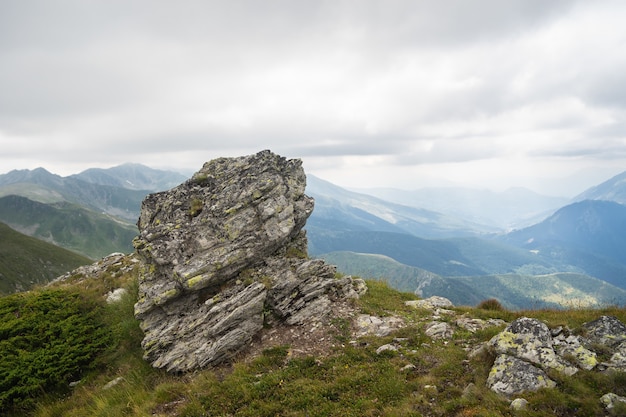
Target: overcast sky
[(481, 93)]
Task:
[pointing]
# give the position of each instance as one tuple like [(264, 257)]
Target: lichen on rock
[(217, 257)]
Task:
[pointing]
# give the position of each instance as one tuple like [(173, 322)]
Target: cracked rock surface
[(223, 251)]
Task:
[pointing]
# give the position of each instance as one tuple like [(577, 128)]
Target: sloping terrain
[(68, 225), (589, 235), (513, 290), (26, 261)]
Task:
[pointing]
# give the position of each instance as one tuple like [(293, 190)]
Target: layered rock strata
[(221, 253)]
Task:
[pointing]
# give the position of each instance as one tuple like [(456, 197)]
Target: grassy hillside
[(26, 261), (70, 226), (348, 379)]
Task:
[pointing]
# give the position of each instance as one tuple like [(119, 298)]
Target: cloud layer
[(367, 93)]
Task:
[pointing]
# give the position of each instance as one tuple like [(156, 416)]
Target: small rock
[(113, 383), (408, 367), (386, 348), (610, 400), (430, 303), (472, 325), (377, 326), (116, 295), (519, 404), (439, 330)]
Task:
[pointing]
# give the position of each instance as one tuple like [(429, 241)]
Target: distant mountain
[(590, 235), (132, 177), (43, 186), (515, 207), (116, 191), (26, 261), (339, 209), (514, 291), (68, 225), (613, 189)]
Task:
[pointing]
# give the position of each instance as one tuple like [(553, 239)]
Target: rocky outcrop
[(222, 253), (527, 348)]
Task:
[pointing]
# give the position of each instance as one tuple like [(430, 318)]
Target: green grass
[(26, 261), (352, 380)]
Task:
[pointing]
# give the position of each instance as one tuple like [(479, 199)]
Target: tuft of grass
[(382, 300)]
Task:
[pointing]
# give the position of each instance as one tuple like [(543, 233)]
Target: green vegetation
[(26, 261), (68, 225), (424, 377), (47, 338)]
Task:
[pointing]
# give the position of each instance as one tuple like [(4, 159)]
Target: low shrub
[(47, 339), (491, 304)]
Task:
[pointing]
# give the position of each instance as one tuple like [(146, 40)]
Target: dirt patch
[(317, 338)]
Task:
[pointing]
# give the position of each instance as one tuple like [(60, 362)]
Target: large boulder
[(221, 253)]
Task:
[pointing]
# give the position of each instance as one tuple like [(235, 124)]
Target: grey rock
[(530, 340), (572, 348), (116, 295), (377, 326), (471, 324), (607, 330), (386, 348), (611, 401), (618, 359), (430, 303), (438, 330), (512, 376), (519, 404), (113, 383), (222, 254)]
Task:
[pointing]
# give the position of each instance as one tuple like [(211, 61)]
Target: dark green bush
[(47, 339), (491, 304)]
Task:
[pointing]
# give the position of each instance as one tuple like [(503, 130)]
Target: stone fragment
[(439, 330), (113, 383), (511, 376), (606, 330), (430, 303), (471, 324), (612, 401), (572, 348), (377, 326), (618, 359), (387, 348), (116, 295), (519, 404), (530, 340)]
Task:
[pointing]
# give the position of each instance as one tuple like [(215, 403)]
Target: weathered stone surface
[(519, 404), (430, 303), (222, 251), (439, 330), (607, 330), (612, 401), (510, 376), (530, 340), (572, 347), (377, 326)]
